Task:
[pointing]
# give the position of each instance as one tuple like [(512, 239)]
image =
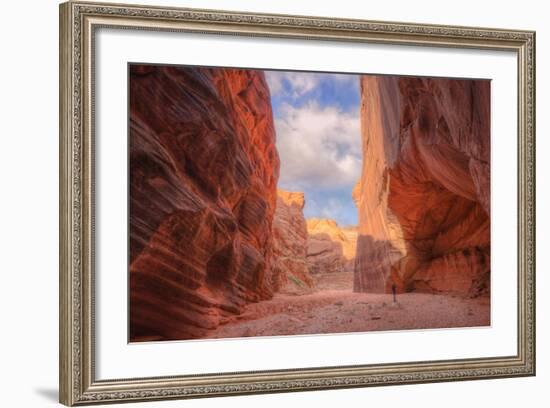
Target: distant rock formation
[(424, 199), (330, 248), (203, 176), (290, 272)]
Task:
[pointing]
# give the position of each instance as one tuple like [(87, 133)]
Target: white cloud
[(274, 82), (319, 147), (300, 83)]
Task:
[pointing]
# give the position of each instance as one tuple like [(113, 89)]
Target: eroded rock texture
[(290, 272), (425, 192), (203, 175), (330, 248)]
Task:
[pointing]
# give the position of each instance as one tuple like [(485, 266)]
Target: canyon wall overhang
[(424, 193)]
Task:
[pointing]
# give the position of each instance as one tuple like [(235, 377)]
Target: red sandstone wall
[(330, 248), (203, 175), (425, 192), (290, 271)]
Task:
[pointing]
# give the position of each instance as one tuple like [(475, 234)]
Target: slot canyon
[(218, 249)]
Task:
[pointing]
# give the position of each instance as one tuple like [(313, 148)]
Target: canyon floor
[(334, 308)]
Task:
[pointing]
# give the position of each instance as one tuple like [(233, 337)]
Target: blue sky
[(318, 139)]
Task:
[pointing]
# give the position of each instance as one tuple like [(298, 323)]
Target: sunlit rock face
[(290, 272), (349, 246), (203, 176), (330, 247), (424, 195)]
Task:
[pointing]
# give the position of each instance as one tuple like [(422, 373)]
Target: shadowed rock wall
[(203, 175)]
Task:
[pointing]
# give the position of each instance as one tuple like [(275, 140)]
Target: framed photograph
[(256, 203)]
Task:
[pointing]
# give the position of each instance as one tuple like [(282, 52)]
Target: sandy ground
[(336, 309)]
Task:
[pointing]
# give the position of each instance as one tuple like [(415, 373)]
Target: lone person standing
[(394, 291)]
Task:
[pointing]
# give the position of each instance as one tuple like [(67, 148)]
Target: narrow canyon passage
[(282, 203), (422, 230)]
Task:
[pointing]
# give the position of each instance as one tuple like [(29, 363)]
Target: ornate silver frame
[(78, 21)]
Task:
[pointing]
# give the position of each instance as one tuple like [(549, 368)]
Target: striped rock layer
[(203, 175), (424, 194)]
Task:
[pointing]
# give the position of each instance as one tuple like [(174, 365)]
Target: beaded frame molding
[(78, 22)]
